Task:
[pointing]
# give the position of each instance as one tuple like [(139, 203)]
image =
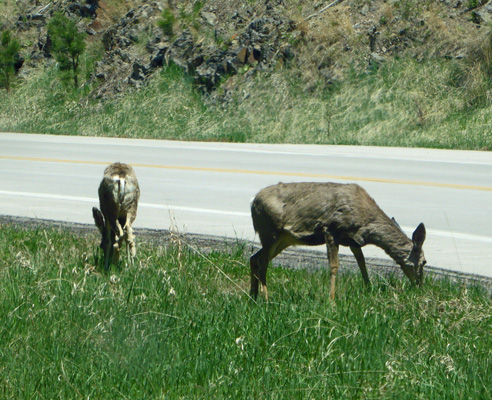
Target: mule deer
[(333, 214), (118, 199)]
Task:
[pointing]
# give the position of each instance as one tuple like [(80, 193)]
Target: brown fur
[(118, 199), (332, 214)]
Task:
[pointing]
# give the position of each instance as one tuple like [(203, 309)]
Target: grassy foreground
[(179, 324)]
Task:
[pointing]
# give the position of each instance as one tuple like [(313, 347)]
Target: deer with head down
[(118, 199), (333, 214)]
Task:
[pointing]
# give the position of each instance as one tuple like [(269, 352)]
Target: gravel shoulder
[(290, 258)]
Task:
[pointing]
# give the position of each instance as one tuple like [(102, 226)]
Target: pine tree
[(67, 44), (9, 54)]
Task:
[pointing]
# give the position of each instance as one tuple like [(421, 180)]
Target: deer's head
[(100, 224), (413, 266)]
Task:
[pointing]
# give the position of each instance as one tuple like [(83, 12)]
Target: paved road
[(207, 187)]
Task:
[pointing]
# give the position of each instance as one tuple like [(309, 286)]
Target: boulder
[(484, 14), (209, 18)]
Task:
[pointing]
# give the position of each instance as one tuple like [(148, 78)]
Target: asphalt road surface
[(207, 187)]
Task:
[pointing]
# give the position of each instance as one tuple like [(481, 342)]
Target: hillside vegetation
[(391, 73)]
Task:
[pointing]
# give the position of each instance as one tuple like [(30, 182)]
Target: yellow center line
[(259, 172)]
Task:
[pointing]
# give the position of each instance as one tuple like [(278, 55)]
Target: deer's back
[(119, 191), (305, 210)]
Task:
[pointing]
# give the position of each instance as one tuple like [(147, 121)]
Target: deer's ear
[(98, 218), (418, 236)]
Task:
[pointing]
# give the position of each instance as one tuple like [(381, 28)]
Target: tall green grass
[(400, 103), (178, 324)]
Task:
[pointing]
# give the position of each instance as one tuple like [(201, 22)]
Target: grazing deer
[(333, 214), (118, 199)]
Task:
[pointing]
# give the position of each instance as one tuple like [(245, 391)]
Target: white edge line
[(146, 205), (194, 209), (432, 232)]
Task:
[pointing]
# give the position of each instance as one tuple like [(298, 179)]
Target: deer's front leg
[(359, 256), (332, 249)]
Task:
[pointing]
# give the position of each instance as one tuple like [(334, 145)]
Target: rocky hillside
[(220, 43)]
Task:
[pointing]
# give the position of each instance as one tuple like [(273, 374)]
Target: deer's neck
[(392, 240)]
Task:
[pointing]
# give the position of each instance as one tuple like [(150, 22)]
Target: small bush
[(167, 22)]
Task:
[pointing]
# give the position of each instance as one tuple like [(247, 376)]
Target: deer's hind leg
[(259, 264), (255, 261), (130, 238), (119, 237), (131, 249), (120, 234), (107, 244)]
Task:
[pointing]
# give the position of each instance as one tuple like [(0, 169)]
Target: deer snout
[(414, 270), (419, 273)]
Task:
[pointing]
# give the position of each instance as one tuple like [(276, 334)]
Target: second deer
[(118, 199), (332, 214)]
